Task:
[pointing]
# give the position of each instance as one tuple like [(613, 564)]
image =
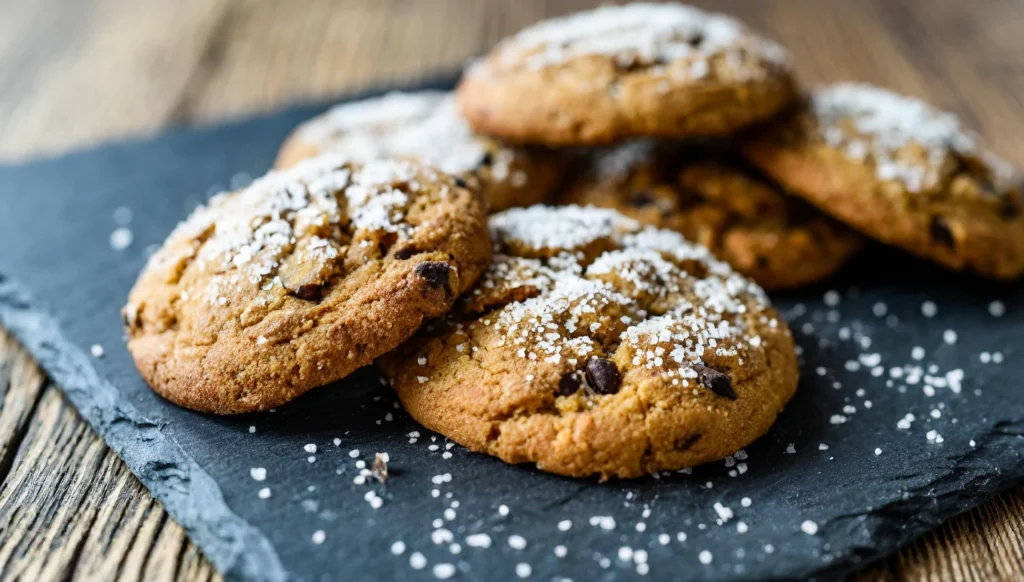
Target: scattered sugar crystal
[(121, 239), (997, 308), (444, 571), (809, 527), (705, 557), (398, 548), (516, 542)]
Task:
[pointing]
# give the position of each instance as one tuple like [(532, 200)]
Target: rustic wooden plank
[(74, 72), (80, 72), (72, 509)]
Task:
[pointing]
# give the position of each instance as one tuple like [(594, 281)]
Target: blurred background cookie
[(902, 172), (617, 72), (426, 126), (706, 193)]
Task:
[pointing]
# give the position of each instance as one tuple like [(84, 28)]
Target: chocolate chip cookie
[(301, 278), (902, 172), (710, 196), (427, 126), (598, 77), (596, 346)]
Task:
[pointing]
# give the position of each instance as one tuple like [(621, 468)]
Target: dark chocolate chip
[(568, 385), (488, 159), (715, 381), (684, 444), (435, 273), (603, 375), (1009, 208), (696, 40), (310, 292), (941, 234), (641, 199), (460, 182), (403, 254), (762, 262)]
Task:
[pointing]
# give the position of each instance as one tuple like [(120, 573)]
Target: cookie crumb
[(380, 467)]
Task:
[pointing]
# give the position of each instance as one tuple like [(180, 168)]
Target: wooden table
[(76, 72)]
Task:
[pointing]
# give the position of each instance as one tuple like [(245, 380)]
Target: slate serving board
[(844, 478)]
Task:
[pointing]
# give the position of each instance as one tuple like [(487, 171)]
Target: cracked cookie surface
[(901, 172), (616, 72), (706, 194), (299, 279), (596, 346), (427, 126)]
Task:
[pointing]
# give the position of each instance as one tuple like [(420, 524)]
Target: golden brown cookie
[(616, 72), (301, 278), (715, 200), (902, 172), (596, 346), (426, 126)]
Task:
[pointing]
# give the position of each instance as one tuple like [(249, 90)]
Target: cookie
[(596, 346), (299, 279), (901, 172), (426, 126), (779, 241), (616, 72)]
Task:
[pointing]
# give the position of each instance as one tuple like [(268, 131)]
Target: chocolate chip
[(603, 375), (310, 292), (941, 234), (435, 273), (715, 381), (684, 444), (641, 199), (460, 182), (1009, 208), (762, 261), (488, 159), (403, 254), (568, 385), (696, 40)]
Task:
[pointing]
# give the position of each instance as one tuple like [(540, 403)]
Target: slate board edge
[(237, 549)]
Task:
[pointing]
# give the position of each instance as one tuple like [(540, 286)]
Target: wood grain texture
[(76, 72)]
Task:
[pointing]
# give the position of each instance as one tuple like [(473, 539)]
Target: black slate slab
[(844, 478)]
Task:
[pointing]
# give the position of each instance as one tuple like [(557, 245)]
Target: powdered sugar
[(642, 34), (571, 227), (668, 300), (425, 125), (882, 124), (301, 210)]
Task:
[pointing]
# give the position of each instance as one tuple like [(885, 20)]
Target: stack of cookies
[(650, 169)]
